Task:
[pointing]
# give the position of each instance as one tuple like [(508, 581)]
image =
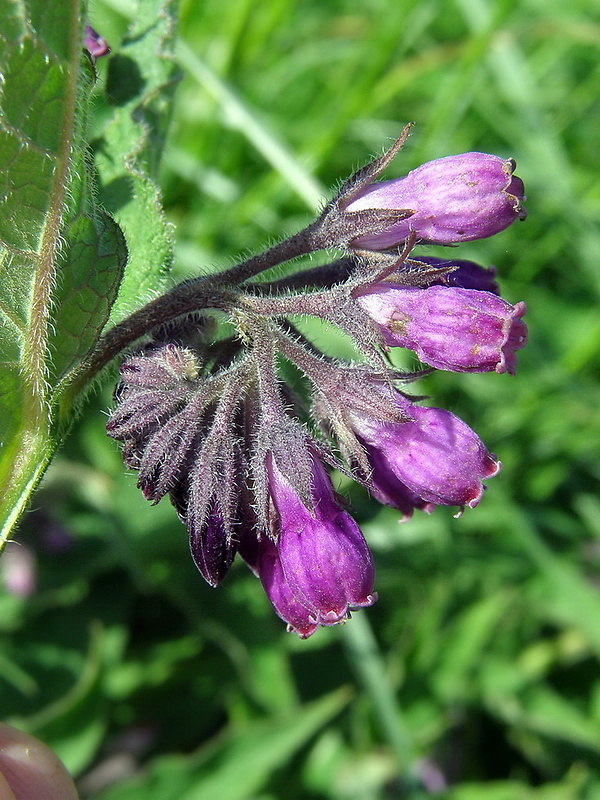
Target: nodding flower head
[(206, 418)]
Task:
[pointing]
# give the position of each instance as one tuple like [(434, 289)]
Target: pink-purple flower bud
[(320, 566), (94, 43), (464, 274), (463, 330), (453, 199), (433, 458)]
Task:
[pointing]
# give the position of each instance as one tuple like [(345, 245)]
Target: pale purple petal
[(453, 199)]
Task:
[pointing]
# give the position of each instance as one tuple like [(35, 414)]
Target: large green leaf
[(141, 80), (62, 256)]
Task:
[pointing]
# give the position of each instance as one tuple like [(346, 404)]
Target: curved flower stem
[(182, 299), (209, 291), (365, 658), (305, 241)]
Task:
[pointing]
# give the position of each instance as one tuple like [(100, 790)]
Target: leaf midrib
[(35, 344), (25, 458)]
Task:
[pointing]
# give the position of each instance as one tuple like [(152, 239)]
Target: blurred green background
[(476, 675)]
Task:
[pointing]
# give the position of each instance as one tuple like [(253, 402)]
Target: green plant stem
[(365, 658)]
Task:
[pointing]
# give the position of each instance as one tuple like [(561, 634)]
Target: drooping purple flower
[(319, 567), (432, 458), (453, 199), (463, 330)]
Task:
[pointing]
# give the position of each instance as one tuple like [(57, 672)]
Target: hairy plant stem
[(322, 277), (311, 362), (174, 303), (305, 241), (211, 291)]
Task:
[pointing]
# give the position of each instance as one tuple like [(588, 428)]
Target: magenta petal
[(300, 619), (436, 456), (320, 566), (386, 487)]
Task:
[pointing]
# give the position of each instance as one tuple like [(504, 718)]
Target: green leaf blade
[(54, 302), (62, 256), (26, 189), (88, 287), (36, 110), (141, 82)]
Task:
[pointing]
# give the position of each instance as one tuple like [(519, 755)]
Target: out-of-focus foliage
[(152, 685)]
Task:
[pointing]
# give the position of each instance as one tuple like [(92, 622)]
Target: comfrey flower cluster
[(206, 415)]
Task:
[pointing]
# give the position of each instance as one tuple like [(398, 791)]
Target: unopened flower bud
[(212, 547), (433, 458), (463, 274), (453, 199), (463, 330), (94, 43)]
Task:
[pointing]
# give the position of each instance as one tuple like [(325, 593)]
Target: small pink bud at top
[(94, 43), (453, 199), (462, 330)]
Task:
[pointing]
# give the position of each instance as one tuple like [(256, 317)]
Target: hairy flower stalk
[(206, 417)]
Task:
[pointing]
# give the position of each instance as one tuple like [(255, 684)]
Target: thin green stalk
[(247, 120), (365, 658)]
